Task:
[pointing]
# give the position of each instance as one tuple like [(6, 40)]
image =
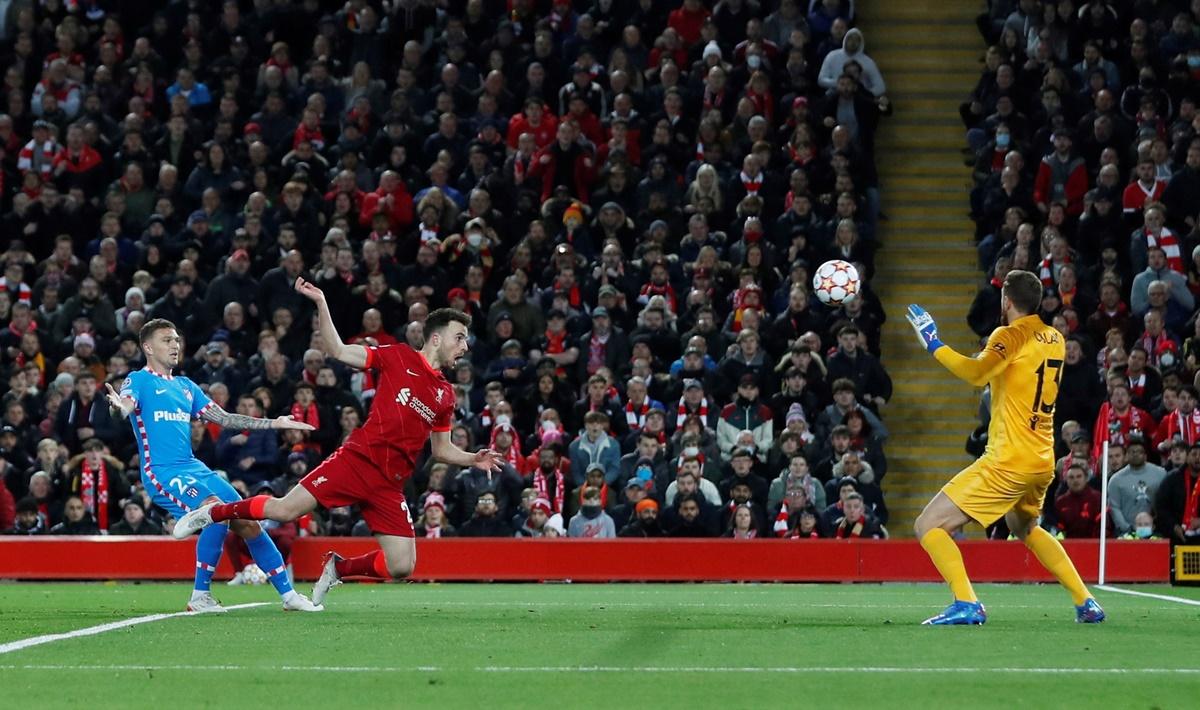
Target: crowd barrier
[(672, 560)]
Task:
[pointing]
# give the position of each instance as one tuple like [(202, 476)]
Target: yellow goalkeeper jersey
[(1023, 363)]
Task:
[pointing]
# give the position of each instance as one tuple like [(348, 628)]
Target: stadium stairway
[(929, 52)]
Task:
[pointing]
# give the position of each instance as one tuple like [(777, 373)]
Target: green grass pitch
[(568, 646)]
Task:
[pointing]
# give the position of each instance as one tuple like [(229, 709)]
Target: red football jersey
[(411, 400)]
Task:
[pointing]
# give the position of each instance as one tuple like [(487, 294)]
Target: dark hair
[(442, 317), (153, 326), (844, 384), (1024, 289)]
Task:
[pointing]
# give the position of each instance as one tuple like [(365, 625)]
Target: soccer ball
[(836, 282), (253, 575)]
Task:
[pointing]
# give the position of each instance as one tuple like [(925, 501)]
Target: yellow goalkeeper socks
[(949, 562), (1054, 558)]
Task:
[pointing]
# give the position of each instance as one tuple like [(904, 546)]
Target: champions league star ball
[(836, 282), (253, 574)]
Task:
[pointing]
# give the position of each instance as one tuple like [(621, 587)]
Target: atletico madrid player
[(413, 403)]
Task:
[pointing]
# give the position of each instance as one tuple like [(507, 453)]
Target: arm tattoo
[(229, 420)]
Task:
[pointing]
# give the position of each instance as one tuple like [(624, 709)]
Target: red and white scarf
[(513, 455), (1169, 243), (636, 420), (683, 412), (752, 184), (1185, 426), (93, 488), (540, 485), (781, 521), (1115, 428), (1047, 270), (428, 233)]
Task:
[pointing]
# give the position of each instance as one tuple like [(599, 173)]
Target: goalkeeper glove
[(924, 327)]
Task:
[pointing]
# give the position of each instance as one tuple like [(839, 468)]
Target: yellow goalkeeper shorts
[(987, 493)]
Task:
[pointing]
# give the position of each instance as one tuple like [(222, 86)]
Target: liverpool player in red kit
[(413, 403)]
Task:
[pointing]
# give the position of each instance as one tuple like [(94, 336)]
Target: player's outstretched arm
[(331, 342), (445, 451), (123, 405), (230, 420), (976, 370)]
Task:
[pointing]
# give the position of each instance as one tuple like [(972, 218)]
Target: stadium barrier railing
[(670, 560)]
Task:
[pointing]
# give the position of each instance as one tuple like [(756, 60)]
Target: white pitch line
[(606, 669), (1149, 595), (111, 626)]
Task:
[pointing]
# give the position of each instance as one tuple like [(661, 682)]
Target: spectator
[(76, 519), (1079, 509), (486, 522), (29, 521), (645, 522), (1133, 488), (595, 447), (134, 521), (1176, 512), (746, 413), (855, 521), (591, 521), (433, 522)]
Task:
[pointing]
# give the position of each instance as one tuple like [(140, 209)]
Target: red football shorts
[(349, 478)]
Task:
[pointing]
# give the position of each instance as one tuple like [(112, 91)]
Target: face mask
[(691, 452), (1167, 359), (1194, 62), (474, 239), (754, 61), (643, 473), (1144, 531), (502, 419), (1003, 139), (590, 511)]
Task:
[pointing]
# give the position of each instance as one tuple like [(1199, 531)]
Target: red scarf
[(573, 296), (556, 343), (310, 416), (93, 488), (1155, 346), (1192, 509), (683, 412), (485, 417), (764, 104), (636, 420), (543, 491), (603, 495), (843, 532), (666, 291)]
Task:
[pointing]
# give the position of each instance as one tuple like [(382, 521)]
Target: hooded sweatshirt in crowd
[(835, 64)]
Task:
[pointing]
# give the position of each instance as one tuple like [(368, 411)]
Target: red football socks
[(372, 564), (249, 509)]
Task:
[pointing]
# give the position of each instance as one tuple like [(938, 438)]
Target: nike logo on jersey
[(160, 391), (414, 374)]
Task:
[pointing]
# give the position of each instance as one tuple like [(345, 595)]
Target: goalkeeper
[(1023, 363)]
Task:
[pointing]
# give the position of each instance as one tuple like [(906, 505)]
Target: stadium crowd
[(628, 196), (1085, 140)]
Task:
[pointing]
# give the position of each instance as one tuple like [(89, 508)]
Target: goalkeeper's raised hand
[(924, 327)]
